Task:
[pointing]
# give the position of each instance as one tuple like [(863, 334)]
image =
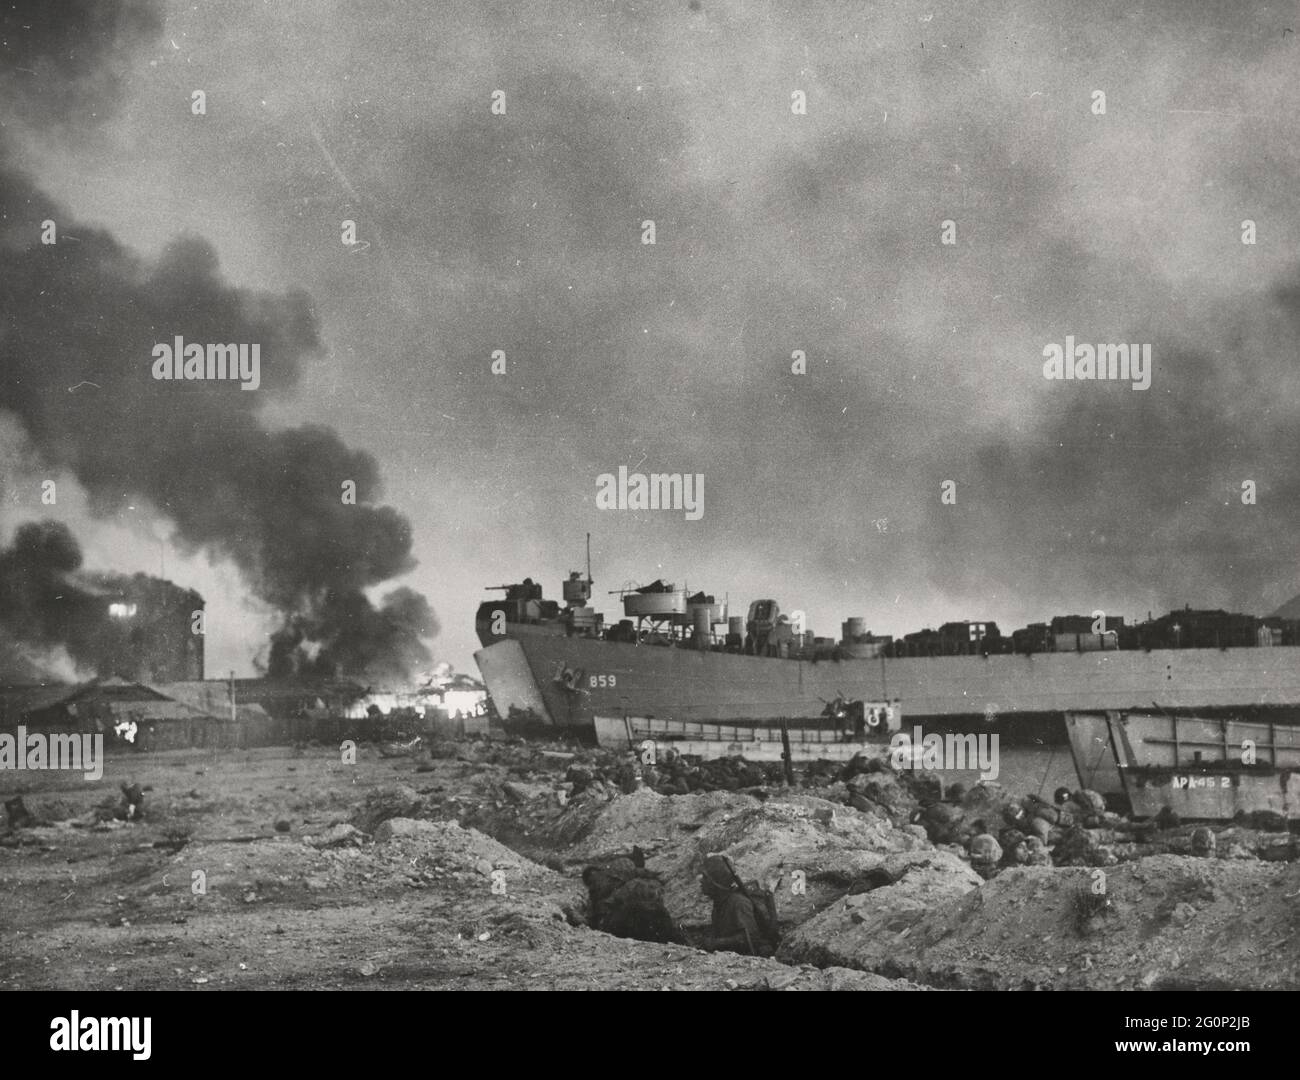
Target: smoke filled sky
[(775, 232)]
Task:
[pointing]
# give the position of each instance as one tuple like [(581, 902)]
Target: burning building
[(249, 491), (58, 621), (149, 630)]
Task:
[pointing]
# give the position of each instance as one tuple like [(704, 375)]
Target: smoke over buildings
[(82, 316), (58, 620), (776, 232)]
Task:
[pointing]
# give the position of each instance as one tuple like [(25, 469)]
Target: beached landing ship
[(1198, 768), (680, 657)]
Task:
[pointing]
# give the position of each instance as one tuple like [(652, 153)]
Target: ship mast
[(589, 581)]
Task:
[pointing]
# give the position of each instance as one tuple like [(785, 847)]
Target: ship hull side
[(1195, 766), (615, 679)]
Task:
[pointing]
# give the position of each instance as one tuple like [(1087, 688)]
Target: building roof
[(119, 695), (164, 709), (115, 688), (17, 701), (211, 697), (1289, 610)]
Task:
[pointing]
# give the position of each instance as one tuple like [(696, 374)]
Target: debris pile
[(1161, 922), (543, 801), (878, 871), (816, 848), (390, 801), (680, 776)]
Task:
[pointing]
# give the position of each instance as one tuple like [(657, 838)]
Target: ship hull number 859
[(601, 681)]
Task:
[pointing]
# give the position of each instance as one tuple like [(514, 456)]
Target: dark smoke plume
[(269, 501), (53, 615), (38, 600), (61, 61)]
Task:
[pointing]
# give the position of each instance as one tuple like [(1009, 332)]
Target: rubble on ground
[(549, 798), (789, 835), (912, 885), (588, 830), (337, 836), (394, 800), (478, 847), (1160, 922)]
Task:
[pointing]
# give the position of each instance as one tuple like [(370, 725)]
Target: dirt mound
[(390, 801), (923, 880), (831, 845), (204, 892), (808, 977), (452, 849), (596, 829), (1162, 922)]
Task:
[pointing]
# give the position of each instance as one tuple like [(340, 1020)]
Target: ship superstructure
[(682, 656)]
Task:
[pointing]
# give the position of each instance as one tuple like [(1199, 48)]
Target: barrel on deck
[(702, 624), (854, 629)]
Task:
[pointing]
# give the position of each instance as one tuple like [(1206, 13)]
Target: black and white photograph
[(601, 495)]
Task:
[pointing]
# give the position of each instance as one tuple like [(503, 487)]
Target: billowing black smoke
[(62, 62), (345, 633), (56, 622), (90, 312), (39, 604)]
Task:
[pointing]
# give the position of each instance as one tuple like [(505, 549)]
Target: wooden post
[(785, 754)]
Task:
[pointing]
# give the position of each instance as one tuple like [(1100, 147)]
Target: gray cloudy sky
[(775, 232)]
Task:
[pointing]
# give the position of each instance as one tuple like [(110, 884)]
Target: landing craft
[(684, 657), (1145, 761)]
